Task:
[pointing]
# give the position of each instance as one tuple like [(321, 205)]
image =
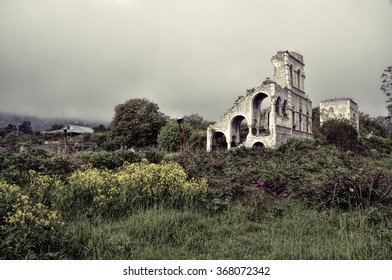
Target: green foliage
[(56, 126), (316, 121), (373, 126), (108, 160), (376, 144), (25, 127), (138, 121), (197, 141), (92, 205), (342, 134), (196, 121), (153, 155), (168, 137), (286, 232), (116, 193), (29, 222)]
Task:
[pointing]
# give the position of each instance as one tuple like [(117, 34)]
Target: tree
[(56, 126), (377, 126), (168, 137), (100, 128), (341, 133), (138, 121), (386, 87), (10, 128), (196, 120), (25, 127), (316, 121)]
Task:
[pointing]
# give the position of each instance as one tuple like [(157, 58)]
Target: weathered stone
[(275, 111), (339, 108)]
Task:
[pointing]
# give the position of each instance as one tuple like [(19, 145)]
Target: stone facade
[(269, 114), (340, 108)]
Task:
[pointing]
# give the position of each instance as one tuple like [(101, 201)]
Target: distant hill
[(41, 124)]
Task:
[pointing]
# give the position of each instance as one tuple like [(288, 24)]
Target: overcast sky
[(80, 58)]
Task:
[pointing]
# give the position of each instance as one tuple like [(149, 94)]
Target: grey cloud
[(82, 58)]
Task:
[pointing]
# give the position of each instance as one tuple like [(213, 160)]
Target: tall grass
[(295, 233)]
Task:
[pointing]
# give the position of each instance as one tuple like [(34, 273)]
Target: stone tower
[(269, 114), (340, 108)]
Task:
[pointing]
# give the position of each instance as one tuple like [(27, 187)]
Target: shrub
[(108, 160), (29, 228), (168, 137), (136, 185), (342, 134)]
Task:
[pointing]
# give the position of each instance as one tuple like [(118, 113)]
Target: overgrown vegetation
[(327, 198), (306, 200)]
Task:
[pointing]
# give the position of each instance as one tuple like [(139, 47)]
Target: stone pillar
[(209, 139)]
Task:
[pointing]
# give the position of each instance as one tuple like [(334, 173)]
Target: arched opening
[(299, 79), (277, 105), (307, 121), (293, 117), (300, 120), (219, 141), (261, 108), (284, 108), (239, 130), (258, 145)]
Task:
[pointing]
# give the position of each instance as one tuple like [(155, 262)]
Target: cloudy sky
[(80, 58)]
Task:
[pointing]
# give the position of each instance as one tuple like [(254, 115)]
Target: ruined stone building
[(269, 114), (339, 108)]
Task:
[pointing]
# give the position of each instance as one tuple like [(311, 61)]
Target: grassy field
[(287, 231)]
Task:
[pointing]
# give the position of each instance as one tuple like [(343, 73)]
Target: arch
[(284, 108), (260, 113), (258, 145), (307, 122), (218, 140), (239, 130), (293, 117), (300, 120), (277, 105)]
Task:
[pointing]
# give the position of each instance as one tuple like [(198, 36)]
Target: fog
[(80, 58)]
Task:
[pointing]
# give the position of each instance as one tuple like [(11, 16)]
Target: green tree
[(25, 127), (168, 137), (56, 126), (386, 87), (196, 121), (316, 121), (138, 121), (10, 128), (342, 134)]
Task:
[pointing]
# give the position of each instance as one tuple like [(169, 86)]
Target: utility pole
[(65, 139)]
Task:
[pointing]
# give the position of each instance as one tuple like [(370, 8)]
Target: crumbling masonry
[(270, 114), (340, 108)]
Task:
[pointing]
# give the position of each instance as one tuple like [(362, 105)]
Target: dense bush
[(109, 160), (342, 134), (168, 137), (30, 223), (115, 193)]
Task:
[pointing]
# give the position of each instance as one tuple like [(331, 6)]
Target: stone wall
[(340, 108)]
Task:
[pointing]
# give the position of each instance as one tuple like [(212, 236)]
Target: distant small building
[(339, 108), (71, 129)]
